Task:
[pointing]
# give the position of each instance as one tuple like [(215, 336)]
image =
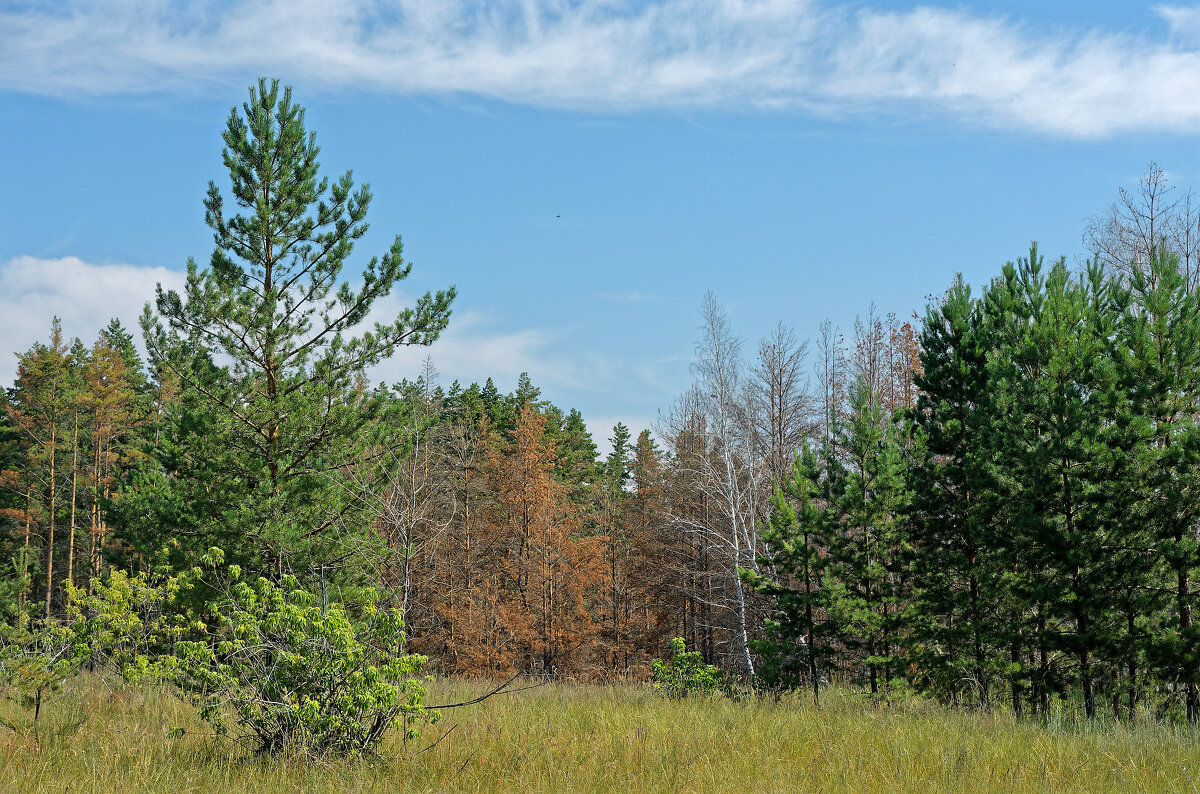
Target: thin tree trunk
[(25, 548), (1133, 670), (1043, 662), (1184, 604), (74, 491), (743, 632), (50, 532), (94, 514), (1015, 658), (813, 672)]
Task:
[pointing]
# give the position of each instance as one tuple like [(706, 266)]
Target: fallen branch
[(500, 690)]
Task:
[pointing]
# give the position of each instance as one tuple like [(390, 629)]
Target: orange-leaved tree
[(538, 571)]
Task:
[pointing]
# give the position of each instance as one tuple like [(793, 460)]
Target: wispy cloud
[(620, 55), (84, 295), (1183, 21), (473, 349)]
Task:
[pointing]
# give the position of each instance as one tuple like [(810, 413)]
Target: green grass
[(566, 737)]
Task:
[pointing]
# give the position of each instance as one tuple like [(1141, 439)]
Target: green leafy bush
[(685, 673), (301, 678), (130, 623), (292, 675)]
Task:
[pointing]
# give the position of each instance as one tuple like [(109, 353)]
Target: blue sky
[(801, 159)]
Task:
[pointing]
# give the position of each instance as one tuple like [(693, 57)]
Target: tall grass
[(565, 737)]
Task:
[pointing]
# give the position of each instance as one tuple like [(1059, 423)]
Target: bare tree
[(691, 553), (1185, 239), (1151, 216), (729, 472), (410, 492), (904, 361), (886, 355), (781, 402), (869, 364), (831, 376)]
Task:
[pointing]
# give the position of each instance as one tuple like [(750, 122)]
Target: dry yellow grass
[(565, 737)]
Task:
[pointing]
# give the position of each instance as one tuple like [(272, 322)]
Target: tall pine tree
[(261, 344), (954, 563)]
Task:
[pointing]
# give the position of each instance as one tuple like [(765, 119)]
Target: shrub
[(302, 678), (685, 673), (130, 623), (294, 676)]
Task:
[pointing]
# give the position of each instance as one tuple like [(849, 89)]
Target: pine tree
[(866, 491), (576, 465), (1161, 373), (1049, 375), (798, 533), (954, 562), (116, 400), (541, 570), (39, 405), (116, 337), (618, 549), (655, 582), (272, 409)]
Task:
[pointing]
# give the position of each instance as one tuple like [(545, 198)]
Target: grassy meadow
[(620, 738)]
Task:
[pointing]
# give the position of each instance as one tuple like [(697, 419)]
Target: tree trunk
[(1133, 670), (50, 530), (74, 492), (1184, 604)]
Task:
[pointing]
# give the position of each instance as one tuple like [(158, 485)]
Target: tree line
[(1028, 528), (992, 504)]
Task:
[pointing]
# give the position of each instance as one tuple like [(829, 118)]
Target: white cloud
[(472, 350), (554, 52), (626, 55), (1085, 83), (1183, 21), (84, 295)]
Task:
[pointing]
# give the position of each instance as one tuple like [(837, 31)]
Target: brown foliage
[(517, 576)]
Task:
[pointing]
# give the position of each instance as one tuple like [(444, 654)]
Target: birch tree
[(1154, 214), (730, 472)]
